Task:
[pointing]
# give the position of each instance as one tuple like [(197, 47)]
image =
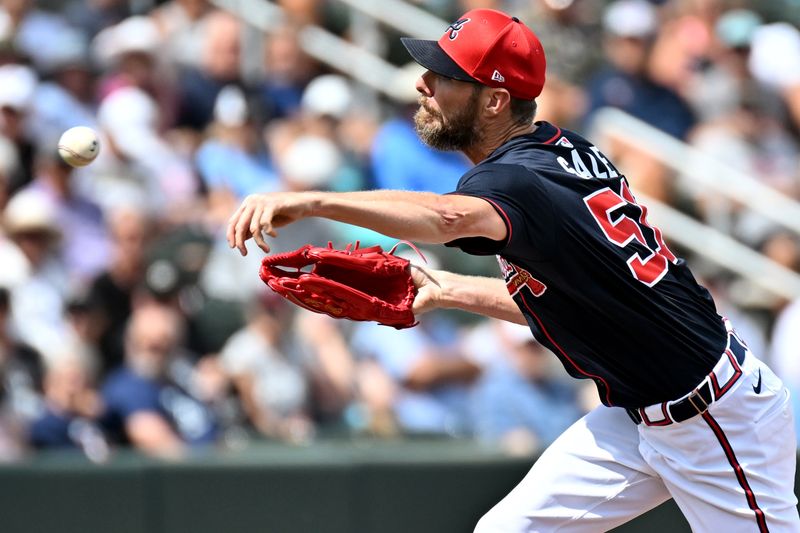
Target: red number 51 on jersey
[(621, 230)]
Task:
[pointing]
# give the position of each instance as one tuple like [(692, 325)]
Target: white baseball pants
[(729, 470)]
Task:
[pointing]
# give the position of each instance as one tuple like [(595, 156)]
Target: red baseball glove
[(359, 283)]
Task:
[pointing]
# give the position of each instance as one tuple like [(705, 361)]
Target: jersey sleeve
[(519, 198)]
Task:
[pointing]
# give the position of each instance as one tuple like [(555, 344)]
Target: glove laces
[(356, 248)]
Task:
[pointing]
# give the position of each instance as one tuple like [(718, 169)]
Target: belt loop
[(738, 348), (634, 415)]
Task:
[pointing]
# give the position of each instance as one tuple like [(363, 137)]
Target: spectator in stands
[(150, 401), (683, 44), (372, 412), (12, 438), (232, 161), (570, 32), (9, 166), (287, 70), (625, 83), (21, 368), (775, 61), (21, 372), (31, 29), (326, 100), (128, 52), (182, 24), (744, 118), (112, 292), (65, 98), (783, 247), (176, 260), (220, 66), (395, 144), (330, 107), (717, 88), (17, 86), (38, 297), (522, 400), (330, 368), (302, 12), (430, 377), (137, 166), (137, 103), (268, 366), (748, 139), (93, 16), (72, 409), (305, 161), (84, 243)]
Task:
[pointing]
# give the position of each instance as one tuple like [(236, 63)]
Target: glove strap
[(410, 245)]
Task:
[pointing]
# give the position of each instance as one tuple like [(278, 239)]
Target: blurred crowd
[(125, 320)]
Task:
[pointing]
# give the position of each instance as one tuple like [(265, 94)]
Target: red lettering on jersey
[(517, 278), (621, 230), (662, 247)]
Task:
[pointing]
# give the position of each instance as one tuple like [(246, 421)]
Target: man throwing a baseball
[(689, 412)]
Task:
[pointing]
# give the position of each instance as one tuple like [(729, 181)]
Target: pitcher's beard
[(459, 133)]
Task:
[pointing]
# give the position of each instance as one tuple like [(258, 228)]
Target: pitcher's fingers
[(258, 237), (421, 305), (243, 228), (230, 233), (255, 229), (268, 223), (255, 219)]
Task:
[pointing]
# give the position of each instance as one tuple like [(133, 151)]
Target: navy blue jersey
[(595, 281)]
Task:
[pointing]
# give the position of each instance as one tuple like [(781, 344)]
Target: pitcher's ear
[(498, 100)]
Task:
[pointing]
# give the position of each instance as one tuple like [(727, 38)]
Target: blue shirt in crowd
[(650, 102), (126, 393), (401, 162)]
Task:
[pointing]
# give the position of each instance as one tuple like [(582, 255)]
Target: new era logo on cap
[(489, 47)]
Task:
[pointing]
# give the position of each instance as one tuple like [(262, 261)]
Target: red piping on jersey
[(737, 371), (561, 350), (663, 422), (503, 213), (738, 470), (554, 137)]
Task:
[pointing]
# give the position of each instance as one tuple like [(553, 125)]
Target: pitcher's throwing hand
[(261, 214)]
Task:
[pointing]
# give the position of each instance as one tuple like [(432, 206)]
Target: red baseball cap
[(489, 47)]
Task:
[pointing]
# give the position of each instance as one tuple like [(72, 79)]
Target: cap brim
[(431, 56)]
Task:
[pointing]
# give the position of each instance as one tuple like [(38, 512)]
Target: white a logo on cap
[(456, 27), (496, 76)]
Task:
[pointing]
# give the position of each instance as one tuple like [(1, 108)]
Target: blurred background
[(129, 331)]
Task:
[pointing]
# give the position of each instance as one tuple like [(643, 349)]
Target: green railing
[(353, 487)]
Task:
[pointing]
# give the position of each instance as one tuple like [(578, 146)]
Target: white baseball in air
[(79, 146)]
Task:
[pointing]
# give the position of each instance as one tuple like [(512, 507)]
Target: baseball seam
[(75, 154)]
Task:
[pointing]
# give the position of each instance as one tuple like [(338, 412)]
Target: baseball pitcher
[(689, 411)]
